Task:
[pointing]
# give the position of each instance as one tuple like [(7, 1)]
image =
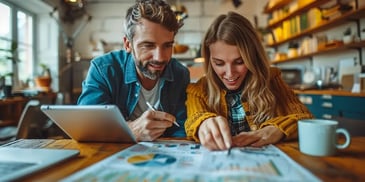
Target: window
[(17, 29), (25, 39), (5, 41)]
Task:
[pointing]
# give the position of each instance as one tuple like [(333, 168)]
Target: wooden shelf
[(299, 11), (277, 6), (351, 15), (12, 108), (4, 123), (353, 45), (330, 92)]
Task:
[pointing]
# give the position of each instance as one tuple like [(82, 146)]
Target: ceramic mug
[(318, 137)]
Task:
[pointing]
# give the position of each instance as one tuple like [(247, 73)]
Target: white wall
[(107, 24), (107, 21)]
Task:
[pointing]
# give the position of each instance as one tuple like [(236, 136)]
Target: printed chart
[(190, 162), (151, 160)]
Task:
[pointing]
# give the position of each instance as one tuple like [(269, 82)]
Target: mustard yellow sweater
[(286, 119)]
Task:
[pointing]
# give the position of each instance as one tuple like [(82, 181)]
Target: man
[(143, 73)]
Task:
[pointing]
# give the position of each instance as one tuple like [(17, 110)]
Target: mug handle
[(347, 136)]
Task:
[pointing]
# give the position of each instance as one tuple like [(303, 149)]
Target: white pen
[(153, 109)]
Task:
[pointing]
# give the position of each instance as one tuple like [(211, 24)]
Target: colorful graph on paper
[(190, 162)]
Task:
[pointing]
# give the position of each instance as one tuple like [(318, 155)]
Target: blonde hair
[(234, 29)]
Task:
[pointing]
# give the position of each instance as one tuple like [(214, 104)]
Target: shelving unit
[(276, 6), (299, 11), (349, 16), (353, 45), (327, 104), (353, 15)]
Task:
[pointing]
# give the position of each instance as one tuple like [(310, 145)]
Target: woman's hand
[(258, 138), (214, 133)]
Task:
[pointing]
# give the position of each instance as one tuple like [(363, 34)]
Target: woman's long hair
[(236, 30)]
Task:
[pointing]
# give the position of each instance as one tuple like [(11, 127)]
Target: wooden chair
[(30, 124), (33, 124), (32, 121)]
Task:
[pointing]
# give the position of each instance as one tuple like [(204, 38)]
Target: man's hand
[(214, 133), (151, 125), (258, 138)]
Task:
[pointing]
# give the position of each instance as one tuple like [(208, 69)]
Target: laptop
[(16, 163), (91, 123)]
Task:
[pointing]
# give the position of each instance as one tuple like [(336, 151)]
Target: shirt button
[(253, 127), (136, 95)]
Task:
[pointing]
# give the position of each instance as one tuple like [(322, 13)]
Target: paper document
[(187, 161)]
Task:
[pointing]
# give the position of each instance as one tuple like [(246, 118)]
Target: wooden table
[(12, 108), (347, 165)]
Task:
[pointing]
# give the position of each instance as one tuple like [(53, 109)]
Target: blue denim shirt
[(112, 79)]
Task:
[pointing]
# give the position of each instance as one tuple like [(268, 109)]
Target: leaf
[(14, 46)]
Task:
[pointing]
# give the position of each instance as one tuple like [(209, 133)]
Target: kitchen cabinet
[(327, 106), (293, 20), (348, 110)]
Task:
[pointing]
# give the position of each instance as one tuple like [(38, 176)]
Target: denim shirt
[(112, 79)]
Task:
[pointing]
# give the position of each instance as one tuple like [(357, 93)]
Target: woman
[(240, 101)]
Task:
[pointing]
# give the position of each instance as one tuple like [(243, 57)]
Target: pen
[(229, 151), (153, 109)]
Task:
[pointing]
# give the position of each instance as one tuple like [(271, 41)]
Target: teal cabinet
[(348, 110), (351, 107), (330, 106), (321, 106)]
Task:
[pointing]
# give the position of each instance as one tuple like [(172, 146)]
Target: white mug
[(318, 137)]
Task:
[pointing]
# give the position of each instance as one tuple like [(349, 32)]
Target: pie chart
[(151, 160)]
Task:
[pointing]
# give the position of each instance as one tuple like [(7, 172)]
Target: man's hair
[(157, 11)]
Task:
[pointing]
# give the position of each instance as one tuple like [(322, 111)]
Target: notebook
[(91, 123), (17, 163)]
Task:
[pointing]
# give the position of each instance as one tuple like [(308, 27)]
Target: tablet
[(91, 123)]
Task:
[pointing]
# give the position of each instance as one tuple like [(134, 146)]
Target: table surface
[(346, 165)]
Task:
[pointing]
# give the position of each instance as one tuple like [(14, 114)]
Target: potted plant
[(347, 36), (6, 55), (293, 49), (6, 85), (362, 34), (44, 80)]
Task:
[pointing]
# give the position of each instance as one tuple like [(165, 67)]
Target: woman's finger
[(245, 139)]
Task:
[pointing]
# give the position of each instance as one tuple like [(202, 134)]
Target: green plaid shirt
[(236, 114)]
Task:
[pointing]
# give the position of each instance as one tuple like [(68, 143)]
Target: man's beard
[(143, 68)]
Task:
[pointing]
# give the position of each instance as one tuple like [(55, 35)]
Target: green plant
[(2, 79), (9, 54), (45, 70), (294, 45), (347, 31), (43, 81)]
